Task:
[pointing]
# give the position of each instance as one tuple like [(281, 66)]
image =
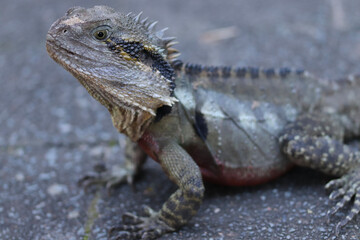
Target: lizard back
[(239, 112)]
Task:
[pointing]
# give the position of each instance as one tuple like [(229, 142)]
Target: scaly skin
[(235, 126)]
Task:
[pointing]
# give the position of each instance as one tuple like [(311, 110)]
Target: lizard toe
[(353, 212), (337, 193), (129, 218), (135, 227), (118, 234), (110, 179), (348, 187), (336, 183)]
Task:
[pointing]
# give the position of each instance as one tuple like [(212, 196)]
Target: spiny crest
[(139, 29), (241, 72), (164, 45)]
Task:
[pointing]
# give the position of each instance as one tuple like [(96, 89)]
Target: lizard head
[(119, 58)]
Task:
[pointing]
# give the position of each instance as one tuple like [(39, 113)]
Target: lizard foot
[(347, 187), (149, 227), (102, 176)]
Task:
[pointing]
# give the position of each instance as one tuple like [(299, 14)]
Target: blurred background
[(52, 132)]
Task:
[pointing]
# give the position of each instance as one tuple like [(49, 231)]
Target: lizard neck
[(129, 121), (126, 119)]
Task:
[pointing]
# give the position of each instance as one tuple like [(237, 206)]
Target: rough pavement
[(52, 132)]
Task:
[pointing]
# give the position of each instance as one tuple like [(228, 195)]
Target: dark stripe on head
[(159, 63), (132, 48), (137, 51)]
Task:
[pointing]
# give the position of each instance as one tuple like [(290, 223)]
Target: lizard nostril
[(64, 31)]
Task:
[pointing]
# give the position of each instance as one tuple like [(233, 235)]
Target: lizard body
[(235, 126)]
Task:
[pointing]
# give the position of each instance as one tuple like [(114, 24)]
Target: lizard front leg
[(135, 158), (179, 208), (316, 142)]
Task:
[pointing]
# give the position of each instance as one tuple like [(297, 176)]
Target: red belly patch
[(244, 176)]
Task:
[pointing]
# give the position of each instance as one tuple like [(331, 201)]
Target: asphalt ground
[(52, 132)]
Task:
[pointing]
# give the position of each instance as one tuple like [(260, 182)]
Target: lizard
[(230, 125)]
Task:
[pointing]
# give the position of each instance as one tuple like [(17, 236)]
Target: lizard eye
[(101, 34)]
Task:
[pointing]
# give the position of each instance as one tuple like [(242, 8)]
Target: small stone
[(51, 156), (216, 210), (73, 214), (56, 189), (40, 205), (65, 128), (19, 177), (97, 151)]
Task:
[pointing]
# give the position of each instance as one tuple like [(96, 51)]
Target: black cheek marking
[(137, 51), (241, 72), (158, 62), (161, 112), (161, 65), (200, 125), (132, 48), (111, 44)]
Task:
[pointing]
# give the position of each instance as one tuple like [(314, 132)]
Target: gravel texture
[(52, 132)]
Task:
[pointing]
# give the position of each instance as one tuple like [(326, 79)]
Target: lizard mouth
[(54, 49)]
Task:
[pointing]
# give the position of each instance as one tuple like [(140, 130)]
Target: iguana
[(233, 126)]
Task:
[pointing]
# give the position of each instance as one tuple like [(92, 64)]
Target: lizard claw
[(110, 180), (347, 187), (135, 227)]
